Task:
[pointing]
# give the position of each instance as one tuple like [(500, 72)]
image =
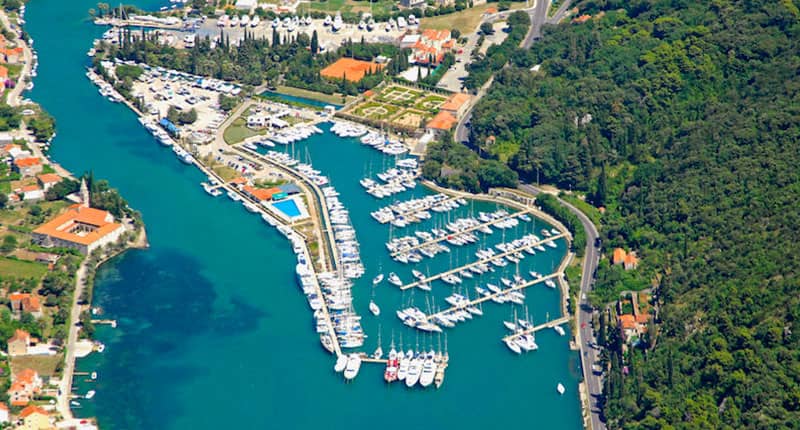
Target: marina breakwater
[(212, 330)]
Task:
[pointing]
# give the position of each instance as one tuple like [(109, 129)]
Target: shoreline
[(82, 280)]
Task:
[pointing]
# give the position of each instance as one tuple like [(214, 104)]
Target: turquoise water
[(213, 331), (303, 100), (288, 207)]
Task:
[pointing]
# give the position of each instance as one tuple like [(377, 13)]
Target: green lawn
[(238, 131), (465, 21), (21, 269), (430, 103), (592, 212), (371, 110)]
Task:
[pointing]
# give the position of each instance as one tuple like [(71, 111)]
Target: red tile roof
[(618, 257), (27, 162), (48, 178), (61, 226), (32, 409)]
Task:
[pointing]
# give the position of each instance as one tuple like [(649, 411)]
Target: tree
[(455, 33), (9, 244), (314, 43), (3, 200), (487, 28)]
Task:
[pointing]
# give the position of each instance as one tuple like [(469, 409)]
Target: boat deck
[(464, 231), (481, 261), (549, 324)]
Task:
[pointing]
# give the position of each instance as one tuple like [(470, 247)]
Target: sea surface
[(213, 330)]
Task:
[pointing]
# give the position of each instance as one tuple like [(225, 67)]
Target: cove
[(214, 332)]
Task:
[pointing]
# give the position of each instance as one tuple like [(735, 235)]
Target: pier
[(112, 323), (424, 207), (494, 295), (482, 261), (464, 231), (549, 324)]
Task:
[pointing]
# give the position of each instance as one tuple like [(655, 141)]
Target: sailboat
[(341, 363), (560, 388), (373, 307)]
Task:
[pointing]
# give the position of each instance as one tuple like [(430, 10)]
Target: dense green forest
[(681, 118)]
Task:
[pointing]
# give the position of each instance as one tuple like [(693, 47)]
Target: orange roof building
[(47, 180), (443, 121), (618, 257), (80, 227), (19, 343), (261, 194), (3, 72), (630, 261), (456, 104), (581, 19), (436, 35), (349, 68), (23, 387), (34, 417), (25, 302)]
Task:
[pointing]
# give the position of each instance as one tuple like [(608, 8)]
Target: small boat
[(560, 388), (94, 375), (374, 308), (341, 363), (74, 403), (560, 330), (353, 366), (417, 274), (90, 394), (513, 346), (377, 280), (395, 280)]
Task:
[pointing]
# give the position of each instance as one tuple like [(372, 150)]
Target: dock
[(549, 324), (482, 261), (424, 207), (494, 295), (112, 323), (464, 231)]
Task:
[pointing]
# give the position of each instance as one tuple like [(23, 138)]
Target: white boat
[(402, 368), (353, 366), (512, 345), (560, 330), (90, 394), (94, 375), (417, 274), (341, 363), (374, 308), (560, 388), (395, 280), (377, 280), (414, 372), (428, 371)]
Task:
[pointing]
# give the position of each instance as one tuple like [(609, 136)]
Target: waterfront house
[(9, 149), (19, 343), (24, 385), (80, 227), (35, 418), (11, 55), (29, 166), (25, 302), (3, 413), (48, 180)]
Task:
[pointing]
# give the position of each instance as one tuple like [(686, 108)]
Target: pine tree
[(314, 43)]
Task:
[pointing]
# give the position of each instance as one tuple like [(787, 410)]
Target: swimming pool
[(288, 207)]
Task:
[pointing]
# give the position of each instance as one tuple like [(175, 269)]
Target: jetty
[(482, 261), (549, 324), (460, 232), (491, 296)]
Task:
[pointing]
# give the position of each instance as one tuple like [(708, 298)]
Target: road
[(589, 354), (13, 98)]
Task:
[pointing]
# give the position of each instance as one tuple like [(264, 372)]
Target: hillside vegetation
[(681, 118)]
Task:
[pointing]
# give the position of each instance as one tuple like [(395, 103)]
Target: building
[(290, 189), (32, 193), (628, 260), (431, 46), (80, 227), (48, 180), (3, 413), (25, 302), (19, 343), (28, 166), (442, 122), (11, 55), (349, 68), (456, 104), (24, 385), (247, 5), (35, 418), (413, 3)]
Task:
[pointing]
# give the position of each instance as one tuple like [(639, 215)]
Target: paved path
[(13, 98), (65, 387), (586, 339)]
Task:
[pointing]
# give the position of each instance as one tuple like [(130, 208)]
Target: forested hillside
[(681, 118)]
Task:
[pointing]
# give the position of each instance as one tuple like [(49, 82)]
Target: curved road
[(590, 353)]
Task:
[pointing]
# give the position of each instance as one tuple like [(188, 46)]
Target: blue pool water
[(289, 207)]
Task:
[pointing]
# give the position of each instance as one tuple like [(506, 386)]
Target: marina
[(253, 313)]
